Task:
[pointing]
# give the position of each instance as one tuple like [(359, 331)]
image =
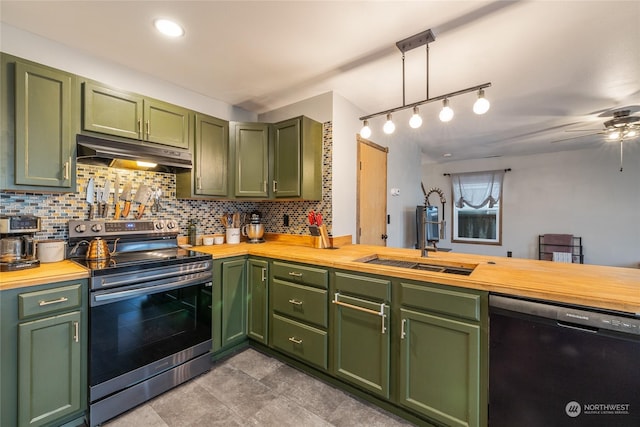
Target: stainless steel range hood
[(129, 155)]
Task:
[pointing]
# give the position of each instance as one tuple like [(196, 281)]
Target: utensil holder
[(233, 235)]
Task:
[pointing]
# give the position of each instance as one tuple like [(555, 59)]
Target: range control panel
[(87, 229)]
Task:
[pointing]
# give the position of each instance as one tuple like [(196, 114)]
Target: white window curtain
[(477, 189)]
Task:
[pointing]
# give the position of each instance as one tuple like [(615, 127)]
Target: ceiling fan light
[(631, 133), (613, 135), (482, 104), (446, 114), (365, 132), (389, 127), (415, 121)]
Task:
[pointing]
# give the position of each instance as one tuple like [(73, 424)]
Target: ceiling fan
[(622, 127)]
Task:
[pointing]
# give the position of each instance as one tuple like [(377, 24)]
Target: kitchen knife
[(116, 195), (143, 195), (126, 196), (90, 197), (105, 198)]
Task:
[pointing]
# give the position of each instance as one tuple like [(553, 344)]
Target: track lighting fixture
[(446, 114), (389, 127), (365, 132), (415, 121), (481, 105)]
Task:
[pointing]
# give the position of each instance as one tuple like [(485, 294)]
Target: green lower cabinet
[(234, 302), (49, 369), (361, 343), (257, 300), (440, 368)]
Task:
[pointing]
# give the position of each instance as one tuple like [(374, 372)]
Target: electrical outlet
[(285, 220)]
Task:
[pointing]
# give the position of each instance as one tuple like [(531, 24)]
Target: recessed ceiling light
[(168, 28), (446, 155)]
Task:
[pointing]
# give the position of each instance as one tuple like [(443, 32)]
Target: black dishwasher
[(554, 365)]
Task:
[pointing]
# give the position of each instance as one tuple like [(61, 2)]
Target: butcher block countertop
[(603, 287)]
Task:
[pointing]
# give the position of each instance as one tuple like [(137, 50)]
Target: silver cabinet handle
[(295, 340), (66, 169), (198, 183), (148, 128), (380, 313), (294, 274), (295, 302), (76, 335), (55, 301), (403, 333), (264, 186), (275, 186), (264, 274), (139, 127)]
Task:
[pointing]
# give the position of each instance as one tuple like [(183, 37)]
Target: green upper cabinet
[(119, 113), (209, 176), (38, 134), (257, 299), (297, 159), (251, 154)]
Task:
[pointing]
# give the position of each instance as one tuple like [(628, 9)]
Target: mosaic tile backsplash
[(56, 210)]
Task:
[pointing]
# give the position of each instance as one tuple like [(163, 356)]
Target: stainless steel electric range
[(149, 311)]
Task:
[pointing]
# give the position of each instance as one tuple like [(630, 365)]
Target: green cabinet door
[(129, 115), (287, 159), (440, 368), (257, 299), (234, 302), (111, 111), (49, 369), (44, 141), (166, 124), (361, 343), (251, 153)]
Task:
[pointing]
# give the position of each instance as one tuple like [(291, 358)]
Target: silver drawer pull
[(295, 340), (295, 302), (380, 313), (403, 333), (76, 336), (294, 274), (54, 301)]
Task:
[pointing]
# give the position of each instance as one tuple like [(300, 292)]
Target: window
[(477, 207)]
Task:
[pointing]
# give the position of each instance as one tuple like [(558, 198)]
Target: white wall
[(44, 51), (575, 192), (318, 108)]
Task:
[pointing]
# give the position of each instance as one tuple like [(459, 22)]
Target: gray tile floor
[(253, 389)]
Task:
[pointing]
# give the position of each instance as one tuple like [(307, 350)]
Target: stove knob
[(96, 228), (171, 225), (81, 228), (159, 225)]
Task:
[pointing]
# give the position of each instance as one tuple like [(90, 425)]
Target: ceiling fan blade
[(575, 137), (584, 130)]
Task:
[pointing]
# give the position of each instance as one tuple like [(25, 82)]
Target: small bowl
[(218, 240), (207, 241)]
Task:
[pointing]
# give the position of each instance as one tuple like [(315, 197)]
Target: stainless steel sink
[(437, 268)]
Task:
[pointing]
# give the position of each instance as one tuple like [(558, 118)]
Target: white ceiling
[(554, 65)]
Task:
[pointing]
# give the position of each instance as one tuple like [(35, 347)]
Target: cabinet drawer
[(49, 301), (301, 302), (459, 304), (301, 274), (300, 341), (368, 287)]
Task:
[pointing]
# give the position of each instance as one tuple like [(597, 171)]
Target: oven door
[(137, 332)]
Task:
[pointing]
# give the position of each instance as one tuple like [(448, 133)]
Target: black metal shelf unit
[(546, 250)]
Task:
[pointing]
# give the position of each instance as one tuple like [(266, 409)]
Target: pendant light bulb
[(389, 127), (482, 104), (365, 132), (446, 114), (415, 121)]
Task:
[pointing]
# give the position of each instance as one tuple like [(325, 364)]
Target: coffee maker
[(255, 229), (17, 247)]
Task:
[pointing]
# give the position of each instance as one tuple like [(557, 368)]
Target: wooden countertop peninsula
[(603, 287)]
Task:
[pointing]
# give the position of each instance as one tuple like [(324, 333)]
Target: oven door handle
[(103, 298)]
